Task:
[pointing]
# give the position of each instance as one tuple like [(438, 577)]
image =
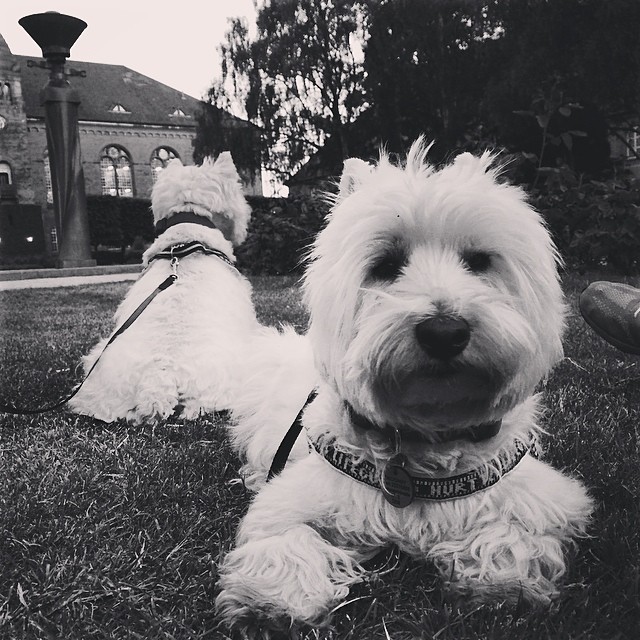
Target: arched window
[(47, 177), (5, 174), (115, 172), (160, 158)]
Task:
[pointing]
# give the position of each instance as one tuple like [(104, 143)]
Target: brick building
[(130, 126)]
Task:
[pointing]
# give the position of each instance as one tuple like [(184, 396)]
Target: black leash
[(173, 253), (280, 458)]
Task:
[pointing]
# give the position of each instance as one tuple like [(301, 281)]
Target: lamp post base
[(67, 262)]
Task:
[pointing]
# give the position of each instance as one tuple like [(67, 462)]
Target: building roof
[(113, 93)]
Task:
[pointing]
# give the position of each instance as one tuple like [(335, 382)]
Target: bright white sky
[(173, 41)]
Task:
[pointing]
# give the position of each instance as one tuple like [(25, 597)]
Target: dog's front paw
[(511, 567), (294, 576)]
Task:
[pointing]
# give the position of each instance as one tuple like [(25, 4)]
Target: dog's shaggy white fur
[(408, 253), (181, 354)]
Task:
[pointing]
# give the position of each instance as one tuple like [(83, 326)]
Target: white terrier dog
[(435, 310), (181, 354)]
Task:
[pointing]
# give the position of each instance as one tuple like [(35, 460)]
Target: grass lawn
[(113, 531)]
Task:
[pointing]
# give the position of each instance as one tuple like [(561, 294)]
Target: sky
[(174, 42)]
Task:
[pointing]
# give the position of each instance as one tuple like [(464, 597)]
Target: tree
[(218, 131), (588, 51), (299, 79), (427, 64), (459, 70)]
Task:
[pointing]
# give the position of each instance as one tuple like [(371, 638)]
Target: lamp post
[(55, 33)]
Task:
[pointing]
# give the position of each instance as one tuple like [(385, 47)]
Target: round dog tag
[(395, 482)]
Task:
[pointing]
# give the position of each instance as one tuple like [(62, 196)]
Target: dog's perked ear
[(355, 172), (467, 163), (466, 160), (224, 166)]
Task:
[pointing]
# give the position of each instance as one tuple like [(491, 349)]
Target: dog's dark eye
[(477, 261), (389, 266)]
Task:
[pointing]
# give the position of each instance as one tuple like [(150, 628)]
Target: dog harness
[(184, 249), (400, 488)]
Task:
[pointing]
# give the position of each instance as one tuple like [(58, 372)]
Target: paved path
[(65, 281)]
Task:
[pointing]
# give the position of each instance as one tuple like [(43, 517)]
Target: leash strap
[(125, 325), (280, 458), (433, 489)]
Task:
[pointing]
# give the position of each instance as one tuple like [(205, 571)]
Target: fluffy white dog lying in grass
[(180, 356), (435, 311)]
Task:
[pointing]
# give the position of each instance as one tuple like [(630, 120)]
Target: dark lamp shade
[(55, 33)]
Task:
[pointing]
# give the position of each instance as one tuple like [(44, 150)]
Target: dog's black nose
[(443, 337)]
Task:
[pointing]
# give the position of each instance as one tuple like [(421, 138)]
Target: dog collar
[(475, 433), (182, 216), (400, 488), (183, 249)]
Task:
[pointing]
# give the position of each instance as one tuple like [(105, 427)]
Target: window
[(5, 174), (160, 158), (178, 113), (5, 92), (53, 235), (115, 173), (47, 177), (118, 108), (633, 140)]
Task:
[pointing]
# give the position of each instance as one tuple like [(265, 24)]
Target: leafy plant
[(104, 221), (596, 223), (279, 233), (119, 222), (550, 107)]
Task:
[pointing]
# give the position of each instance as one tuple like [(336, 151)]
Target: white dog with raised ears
[(435, 310), (180, 356)]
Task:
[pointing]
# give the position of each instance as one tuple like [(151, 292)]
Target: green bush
[(104, 221), (118, 222), (136, 220), (595, 224), (280, 231)]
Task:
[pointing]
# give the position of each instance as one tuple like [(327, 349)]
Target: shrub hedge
[(595, 224), (279, 231), (117, 222)]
